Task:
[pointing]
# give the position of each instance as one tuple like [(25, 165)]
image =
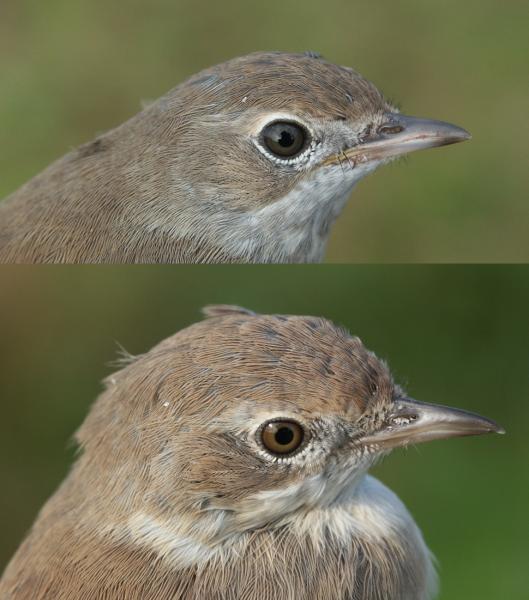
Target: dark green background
[(453, 335), (69, 70)]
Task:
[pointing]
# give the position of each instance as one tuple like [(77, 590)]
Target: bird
[(249, 161), (231, 462)]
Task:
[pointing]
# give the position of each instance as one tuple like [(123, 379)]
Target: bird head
[(271, 144), (243, 421)]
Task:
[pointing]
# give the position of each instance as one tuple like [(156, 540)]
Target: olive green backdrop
[(69, 70), (454, 335)]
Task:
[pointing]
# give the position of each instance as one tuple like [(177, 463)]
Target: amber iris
[(282, 437), (285, 140)]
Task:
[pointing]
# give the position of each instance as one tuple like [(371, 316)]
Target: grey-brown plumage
[(189, 178), (177, 493)]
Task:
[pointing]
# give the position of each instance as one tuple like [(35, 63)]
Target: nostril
[(390, 129), (403, 419)]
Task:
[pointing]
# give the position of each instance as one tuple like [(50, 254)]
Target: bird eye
[(285, 140), (282, 437)]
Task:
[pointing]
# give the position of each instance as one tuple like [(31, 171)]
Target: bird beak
[(412, 422), (400, 135)]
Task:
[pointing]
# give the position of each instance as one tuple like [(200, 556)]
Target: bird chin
[(276, 507), (340, 179), (298, 224)]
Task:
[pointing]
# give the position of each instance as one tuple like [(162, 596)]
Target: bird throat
[(370, 531), (296, 227)]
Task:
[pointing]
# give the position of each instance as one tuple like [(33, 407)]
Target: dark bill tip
[(402, 134), (412, 422), (427, 131)]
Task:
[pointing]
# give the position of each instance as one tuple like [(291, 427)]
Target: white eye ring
[(296, 160)]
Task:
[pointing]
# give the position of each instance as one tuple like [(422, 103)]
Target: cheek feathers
[(224, 472)]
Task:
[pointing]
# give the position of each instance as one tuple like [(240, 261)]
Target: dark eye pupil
[(281, 437), (284, 436), (285, 140)]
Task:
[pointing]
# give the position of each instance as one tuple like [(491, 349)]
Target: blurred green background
[(456, 335), (70, 70)]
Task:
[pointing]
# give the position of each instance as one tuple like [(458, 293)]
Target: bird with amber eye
[(282, 437), (231, 462)]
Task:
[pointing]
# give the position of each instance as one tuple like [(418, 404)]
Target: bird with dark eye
[(285, 139), (281, 437)]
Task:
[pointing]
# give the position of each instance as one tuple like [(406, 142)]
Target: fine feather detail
[(171, 496)]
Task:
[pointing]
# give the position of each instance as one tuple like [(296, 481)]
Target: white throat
[(366, 511), (296, 227), (293, 229)]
